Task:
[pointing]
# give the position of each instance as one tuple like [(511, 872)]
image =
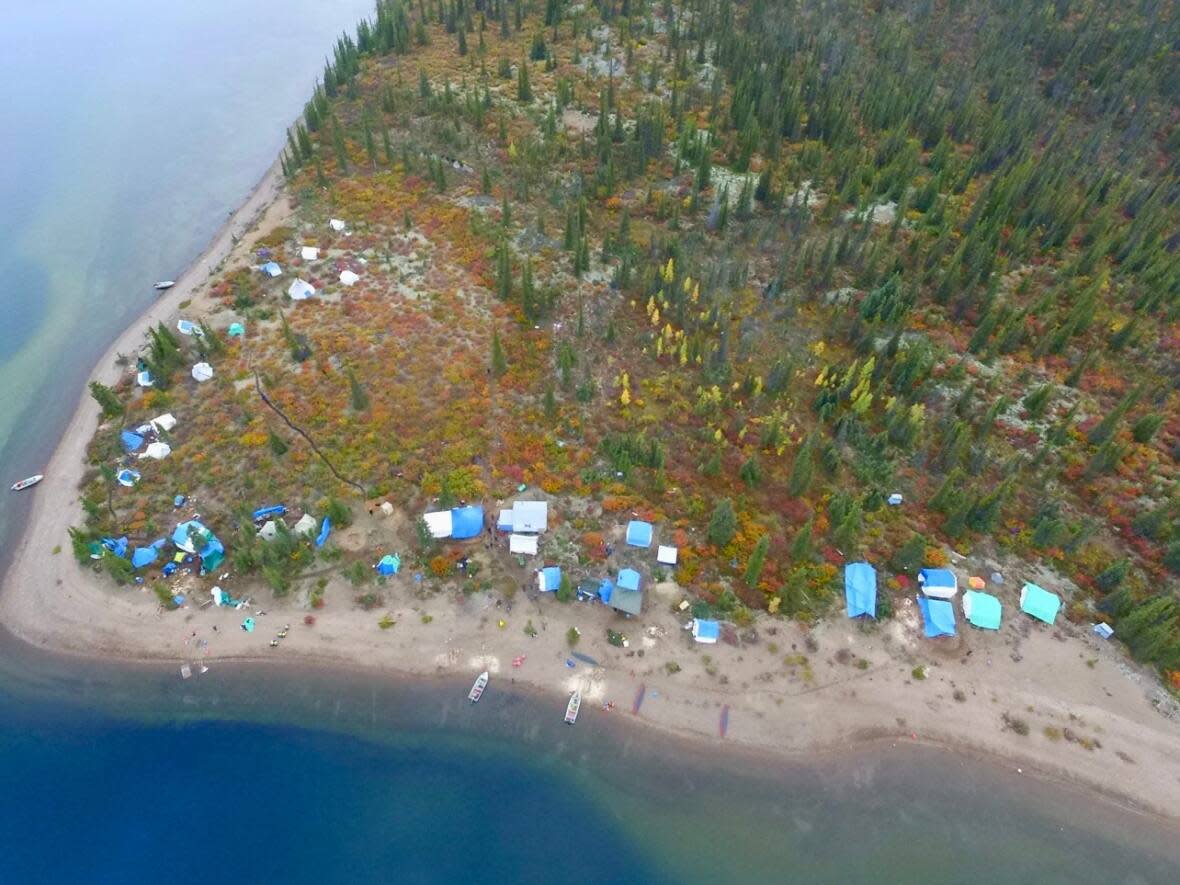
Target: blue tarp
[(628, 579), (706, 631), (388, 565), (860, 589), (938, 616), (550, 578), (982, 610), (266, 512), (325, 530), (131, 440), (142, 556), (117, 546), (605, 589), (933, 579), (639, 533), (194, 537), (466, 522), (271, 269), (127, 477), (1040, 603)]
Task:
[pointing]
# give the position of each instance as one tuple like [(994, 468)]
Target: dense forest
[(747, 269)]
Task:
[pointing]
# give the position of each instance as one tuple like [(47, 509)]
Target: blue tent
[(605, 589), (466, 522), (860, 589), (388, 565), (325, 530), (938, 615), (267, 512), (706, 631), (117, 546), (939, 583), (550, 578), (127, 477), (142, 556), (639, 533), (1040, 603), (982, 610), (131, 440), (628, 579)]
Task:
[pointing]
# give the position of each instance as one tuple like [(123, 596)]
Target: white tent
[(268, 531), (163, 422), (530, 516), (336, 224), (667, 555), (202, 372), (347, 277), (300, 290), (306, 525), (526, 544), (309, 253), (144, 378), (156, 451), (439, 523), (185, 327)]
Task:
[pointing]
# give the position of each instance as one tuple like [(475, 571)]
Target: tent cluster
[(458, 523), (271, 517), (526, 521)]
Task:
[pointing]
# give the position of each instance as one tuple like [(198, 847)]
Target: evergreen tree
[(357, 393), (757, 561), (524, 92), (107, 400), (722, 525), (499, 358), (801, 543), (803, 469), (750, 472)]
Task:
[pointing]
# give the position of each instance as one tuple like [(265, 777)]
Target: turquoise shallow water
[(131, 128)]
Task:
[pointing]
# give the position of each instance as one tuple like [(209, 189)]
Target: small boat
[(164, 284), (25, 483), (571, 709), (481, 682)]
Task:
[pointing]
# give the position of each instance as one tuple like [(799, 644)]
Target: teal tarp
[(860, 589), (1040, 603), (982, 610)]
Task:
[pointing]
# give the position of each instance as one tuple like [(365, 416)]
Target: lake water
[(131, 129)]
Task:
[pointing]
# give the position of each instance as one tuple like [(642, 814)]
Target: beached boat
[(481, 682), (164, 284), (25, 483), (571, 709)]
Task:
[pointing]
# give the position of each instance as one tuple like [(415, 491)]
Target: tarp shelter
[(639, 533), (305, 526), (388, 565), (626, 596), (667, 555), (504, 522), (142, 556), (236, 330), (525, 544), (300, 290), (981, 610), (269, 530), (439, 522), (202, 372), (549, 579), (606, 589), (117, 546), (325, 530), (271, 269), (938, 616), (185, 327), (194, 537), (127, 477), (157, 451), (248, 625), (530, 516), (272, 510), (309, 253), (164, 423), (1103, 630), (1040, 603), (348, 278), (336, 224), (467, 522), (860, 589), (130, 440), (938, 583), (706, 631), (144, 378)]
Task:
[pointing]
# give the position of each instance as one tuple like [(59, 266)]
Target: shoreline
[(49, 602)]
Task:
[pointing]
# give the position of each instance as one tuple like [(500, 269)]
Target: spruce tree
[(757, 561), (722, 525)]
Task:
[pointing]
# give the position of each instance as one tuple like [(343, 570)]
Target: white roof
[(526, 544), (202, 371), (530, 516), (439, 523), (347, 277), (300, 290), (157, 451), (306, 525), (309, 253), (164, 422), (667, 555), (336, 224)]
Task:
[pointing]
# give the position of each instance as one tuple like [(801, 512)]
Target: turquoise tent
[(860, 589), (1040, 603), (981, 610)]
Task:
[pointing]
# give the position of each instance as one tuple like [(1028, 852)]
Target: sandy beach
[(1052, 702)]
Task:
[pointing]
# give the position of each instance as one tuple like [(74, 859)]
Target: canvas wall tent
[(639, 533), (309, 253), (938, 617), (706, 631), (269, 530), (300, 290), (1040, 603), (548, 579), (439, 523), (523, 544), (336, 224), (348, 278), (981, 610), (202, 372), (504, 522), (466, 522), (667, 555), (860, 590), (530, 516), (157, 451), (163, 423), (305, 526), (938, 583)]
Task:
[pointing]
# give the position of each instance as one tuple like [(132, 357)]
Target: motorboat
[(164, 284), (481, 682), (571, 709), (25, 483)]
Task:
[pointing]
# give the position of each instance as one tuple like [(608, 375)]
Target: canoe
[(571, 709), (25, 483), (481, 682)]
